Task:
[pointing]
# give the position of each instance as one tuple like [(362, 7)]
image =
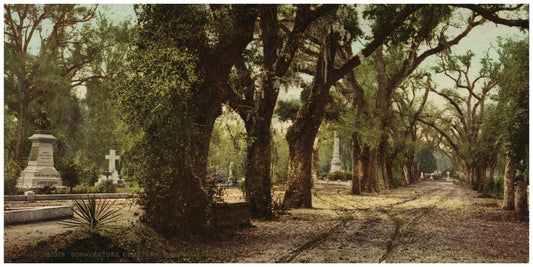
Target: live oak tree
[(513, 109), (281, 34), (302, 133), (466, 118), (180, 70)]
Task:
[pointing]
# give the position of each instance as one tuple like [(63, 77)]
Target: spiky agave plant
[(92, 214)]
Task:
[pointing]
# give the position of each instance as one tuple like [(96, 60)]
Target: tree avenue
[(372, 73)]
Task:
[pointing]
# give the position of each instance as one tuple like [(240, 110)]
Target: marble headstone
[(112, 157)]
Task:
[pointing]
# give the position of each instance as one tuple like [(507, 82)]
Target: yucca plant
[(92, 214)]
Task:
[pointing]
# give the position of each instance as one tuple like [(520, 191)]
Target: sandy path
[(427, 222)]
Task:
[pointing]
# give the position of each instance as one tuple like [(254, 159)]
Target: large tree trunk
[(298, 194), (258, 181), (204, 120), (385, 165), (370, 165), (21, 135), (520, 200), (508, 184), (302, 133), (372, 171), (357, 165), (316, 154)]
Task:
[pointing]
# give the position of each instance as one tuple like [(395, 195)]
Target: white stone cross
[(112, 157)]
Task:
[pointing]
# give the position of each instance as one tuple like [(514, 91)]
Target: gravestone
[(336, 160), (113, 173), (448, 178), (40, 171)]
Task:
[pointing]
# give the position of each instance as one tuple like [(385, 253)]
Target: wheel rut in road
[(348, 217), (411, 216)]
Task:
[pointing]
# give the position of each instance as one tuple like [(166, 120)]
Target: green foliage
[(106, 186), (70, 174), (514, 96), (340, 176), (154, 96), (422, 23), (84, 189), (46, 189), (280, 159), (495, 187), (426, 161), (11, 174), (287, 110), (228, 144), (93, 215)]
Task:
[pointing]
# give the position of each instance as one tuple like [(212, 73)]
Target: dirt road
[(428, 222)]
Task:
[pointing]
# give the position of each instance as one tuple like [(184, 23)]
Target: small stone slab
[(37, 214), (67, 196)]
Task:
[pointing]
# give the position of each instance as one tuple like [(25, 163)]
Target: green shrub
[(107, 186), (84, 189), (71, 175), (340, 175), (46, 189), (11, 174), (347, 176), (495, 187)]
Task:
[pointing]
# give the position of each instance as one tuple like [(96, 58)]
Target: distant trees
[(43, 61), (426, 161)]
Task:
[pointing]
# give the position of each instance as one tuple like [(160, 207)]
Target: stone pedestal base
[(40, 171), (115, 178)]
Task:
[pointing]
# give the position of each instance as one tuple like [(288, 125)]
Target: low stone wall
[(37, 214), (66, 196), (232, 214)]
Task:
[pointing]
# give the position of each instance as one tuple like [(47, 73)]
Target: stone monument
[(336, 160), (40, 171), (230, 173), (112, 171)]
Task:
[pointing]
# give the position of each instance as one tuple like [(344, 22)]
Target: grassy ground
[(428, 222)]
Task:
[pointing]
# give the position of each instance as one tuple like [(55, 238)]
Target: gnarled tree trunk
[(298, 194), (258, 181)]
